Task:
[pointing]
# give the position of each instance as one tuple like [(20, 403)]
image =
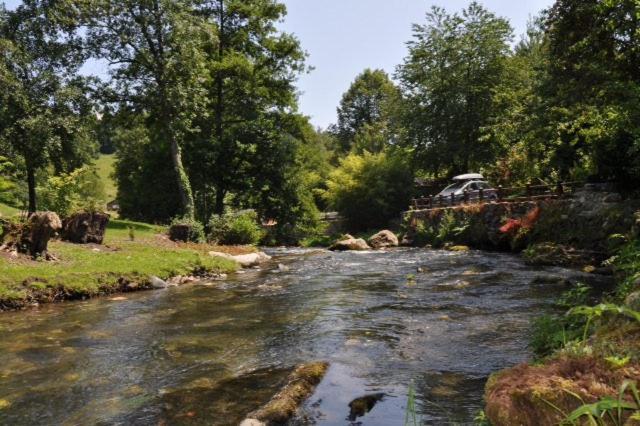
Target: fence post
[(453, 199), (499, 192), (560, 189), (481, 194), (466, 196), (528, 190), (441, 202), (430, 201)]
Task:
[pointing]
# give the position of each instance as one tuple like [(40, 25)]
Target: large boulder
[(37, 232), (349, 242), (383, 239), (85, 227)]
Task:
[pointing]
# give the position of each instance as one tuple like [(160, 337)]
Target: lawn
[(8, 211), (105, 166), (90, 270)]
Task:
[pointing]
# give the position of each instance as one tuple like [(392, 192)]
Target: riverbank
[(132, 253), (589, 359)]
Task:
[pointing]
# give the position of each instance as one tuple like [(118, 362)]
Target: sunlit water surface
[(208, 354)]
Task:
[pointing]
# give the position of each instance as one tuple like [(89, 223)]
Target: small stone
[(157, 283)]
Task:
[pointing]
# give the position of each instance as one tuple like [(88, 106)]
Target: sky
[(344, 37)]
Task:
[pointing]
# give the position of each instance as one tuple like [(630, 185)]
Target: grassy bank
[(132, 252)]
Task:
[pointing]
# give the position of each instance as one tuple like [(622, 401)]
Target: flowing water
[(434, 321)]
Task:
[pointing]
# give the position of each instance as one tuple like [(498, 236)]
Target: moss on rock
[(283, 406)]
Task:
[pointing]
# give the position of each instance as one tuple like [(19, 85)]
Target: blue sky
[(343, 37)]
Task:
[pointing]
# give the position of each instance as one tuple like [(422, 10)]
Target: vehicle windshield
[(452, 188)]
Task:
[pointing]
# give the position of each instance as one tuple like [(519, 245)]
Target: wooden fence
[(516, 194)]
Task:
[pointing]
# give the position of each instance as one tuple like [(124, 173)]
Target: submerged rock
[(359, 407), (283, 406), (383, 239), (458, 248), (348, 242)]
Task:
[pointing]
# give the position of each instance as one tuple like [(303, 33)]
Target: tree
[(45, 115), (155, 49), (252, 72), (593, 89), (454, 64), (368, 107)]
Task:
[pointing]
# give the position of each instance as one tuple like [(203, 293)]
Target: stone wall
[(583, 220)]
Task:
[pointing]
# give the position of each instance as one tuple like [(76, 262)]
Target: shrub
[(370, 189), (235, 228), (81, 189), (187, 230)]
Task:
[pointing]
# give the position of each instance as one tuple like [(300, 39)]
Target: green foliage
[(240, 228), (367, 112), (45, 116), (196, 229), (81, 189), (627, 264), (370, 189), (411, 417), (608, 410), (454, 65)]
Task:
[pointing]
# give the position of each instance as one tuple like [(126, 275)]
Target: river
[(433, 321)]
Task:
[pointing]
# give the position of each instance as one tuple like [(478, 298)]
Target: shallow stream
[(435, 321)]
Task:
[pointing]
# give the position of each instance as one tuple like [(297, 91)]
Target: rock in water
[(359, 407), (252, 259), (350, 243), (85, 227), (282, 407), (384, 239), (157, 283)]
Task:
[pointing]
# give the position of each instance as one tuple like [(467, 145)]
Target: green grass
[(83, 271), (8, 211), (105, 166)]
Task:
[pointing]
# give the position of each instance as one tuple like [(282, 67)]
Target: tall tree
[(252, 73), (155, 49), (44, 112), (367, 111), (454, 63), (594, 89)]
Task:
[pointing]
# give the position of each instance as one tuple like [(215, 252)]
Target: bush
[(187, 230), (81, 189), (370, 189), (235, 229)]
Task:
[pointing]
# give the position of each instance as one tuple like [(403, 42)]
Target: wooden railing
[(529, 192)]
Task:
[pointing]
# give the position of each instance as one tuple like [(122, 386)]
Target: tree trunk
[(219, 208), (31, 183), (184, 187)]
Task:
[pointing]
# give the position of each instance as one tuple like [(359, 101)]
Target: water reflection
[(211, 354)]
